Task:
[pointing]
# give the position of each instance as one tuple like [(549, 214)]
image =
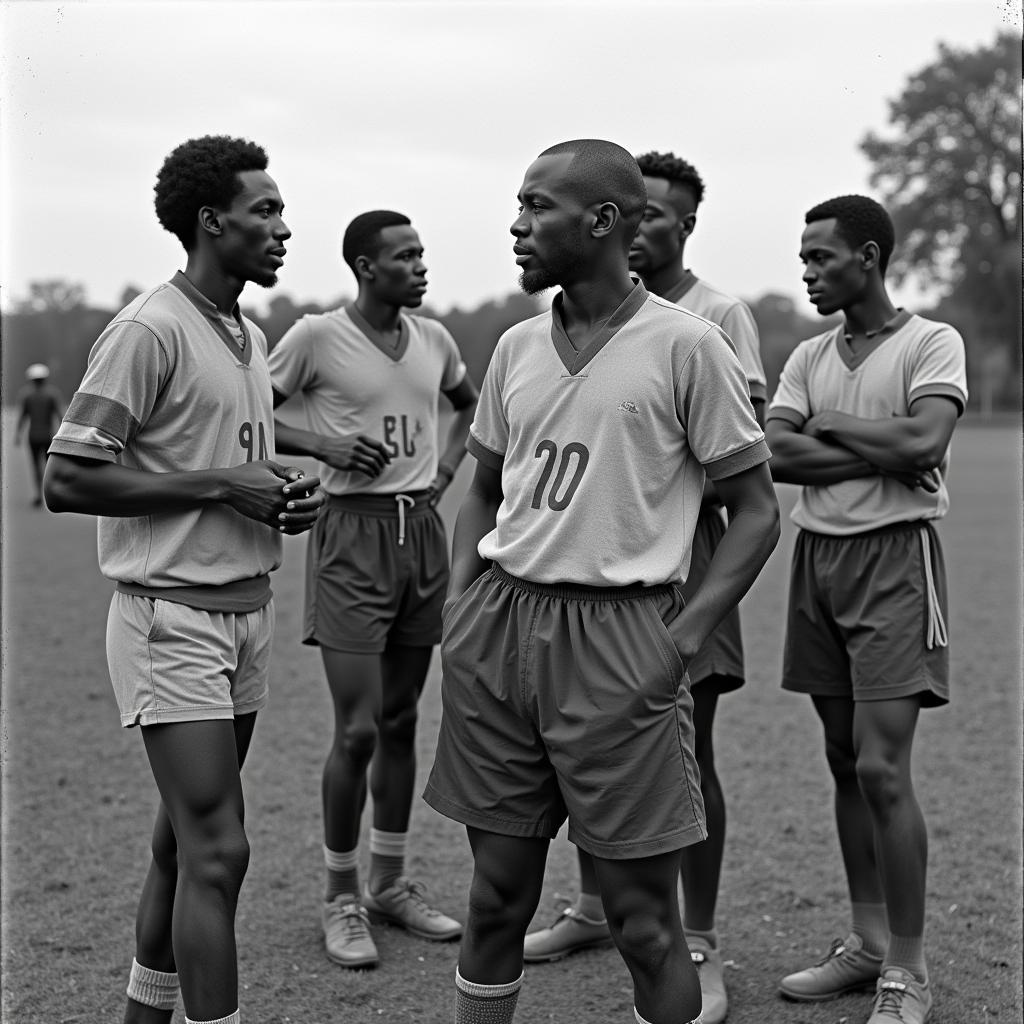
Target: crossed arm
[(833, 446)]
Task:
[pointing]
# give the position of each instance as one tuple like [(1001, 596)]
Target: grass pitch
[(78, 802)]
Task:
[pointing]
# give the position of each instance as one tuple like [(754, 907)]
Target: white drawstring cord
[(936, 633), (403, 500)]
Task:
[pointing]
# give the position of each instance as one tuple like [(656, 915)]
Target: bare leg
[(393, 768), (702, 862), (200, 830), (643, 915)]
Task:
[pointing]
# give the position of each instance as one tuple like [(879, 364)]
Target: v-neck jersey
[(379, 339), (574, 358), (603, 468)]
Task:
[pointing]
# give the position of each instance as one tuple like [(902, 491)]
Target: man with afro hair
[(169, 440), (674, 191), (862, 421)]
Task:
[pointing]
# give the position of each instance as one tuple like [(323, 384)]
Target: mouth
[(278, 255), (522, 255), (420, 287)]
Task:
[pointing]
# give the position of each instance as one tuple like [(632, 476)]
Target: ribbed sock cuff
[(870, 921), (907, 951), (231, 1018), (485, 1004), (387, 859), (590, 906), (641, 1020), (711, 937), (390, 844), (152, 988), (343, 861)]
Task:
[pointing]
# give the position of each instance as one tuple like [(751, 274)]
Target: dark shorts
[(719, 662), (861, 609), (567, 701), (375, 578)]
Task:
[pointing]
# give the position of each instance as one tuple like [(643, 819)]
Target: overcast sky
[(436, 109)]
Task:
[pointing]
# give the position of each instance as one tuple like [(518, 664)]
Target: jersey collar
[(213, 315), (681, 287), (875, 338), (600, 334), (380, 339)]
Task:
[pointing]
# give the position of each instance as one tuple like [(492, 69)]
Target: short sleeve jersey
[(734, 317), (921, 357), (603, 452), (168, 388), (353, 382)]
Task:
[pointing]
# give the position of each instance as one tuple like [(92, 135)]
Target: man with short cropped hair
[(862, 421), (566, 639), (169, 440), (371, 375)]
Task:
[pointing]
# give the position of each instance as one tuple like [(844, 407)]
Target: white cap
[(38, 371)]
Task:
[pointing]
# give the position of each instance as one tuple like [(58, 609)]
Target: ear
[(686, 225), (869, 255), (364, 268), (605, 218), (209, 221)]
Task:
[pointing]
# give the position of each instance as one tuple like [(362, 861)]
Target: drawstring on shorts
[(402, 500), (936, 631)]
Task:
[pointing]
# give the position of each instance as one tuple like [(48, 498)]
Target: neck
[(586, 302), (209, 277), (665, 278), (869, 312), (381, 315)]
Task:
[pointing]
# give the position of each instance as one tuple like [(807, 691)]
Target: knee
[(399, 729), (357, 740), (220, 860), (880, 781), (494, 907), (842, 762), (644, 936)]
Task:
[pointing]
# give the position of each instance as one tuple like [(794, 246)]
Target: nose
[(420, 268), (518, 228), (809, 274), (283, 231)]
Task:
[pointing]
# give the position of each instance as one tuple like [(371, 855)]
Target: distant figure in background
[(371, 376), (170, 441), (862, 421), (674, 191), (41, 411)]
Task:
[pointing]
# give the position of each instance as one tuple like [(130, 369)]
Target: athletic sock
[(871, 925), (152, 988), (485, 1004), (907, 951), (387, 858), (711, 937), (342, 874), (590, 906), (231, 1018)]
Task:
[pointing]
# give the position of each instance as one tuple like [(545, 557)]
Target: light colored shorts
[(173, 663), (567, 701)]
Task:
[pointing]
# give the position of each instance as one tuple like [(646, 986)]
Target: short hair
[(602, 171), (674, 170), (859, 219), (362, 236), (202, 172)]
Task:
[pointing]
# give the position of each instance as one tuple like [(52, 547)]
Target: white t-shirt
[(603, 452), (352, 382), (883, 379)]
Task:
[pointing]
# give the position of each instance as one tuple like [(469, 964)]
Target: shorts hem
[(631, 849), (931, 695), (345, 646), (490, 823), (167, 716)]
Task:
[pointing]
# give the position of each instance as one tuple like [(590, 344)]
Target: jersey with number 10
[(603, 452)]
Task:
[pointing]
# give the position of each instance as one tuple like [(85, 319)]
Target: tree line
[(950, 175)]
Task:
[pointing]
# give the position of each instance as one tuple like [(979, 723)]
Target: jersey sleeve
[(714, 405), (291, 361), (454, 367), (939, 367), (739, 324), (791, 401), (489, 434), (128, 367)]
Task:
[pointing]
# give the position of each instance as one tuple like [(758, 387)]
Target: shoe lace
[(890, 999), (354, 919), (838, 948), (416, 893)]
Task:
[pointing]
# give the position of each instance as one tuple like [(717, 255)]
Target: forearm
[(799, 459), (458, 432), (899, 443), (290, 440), (475, 520), (109, 489), (740, 556)]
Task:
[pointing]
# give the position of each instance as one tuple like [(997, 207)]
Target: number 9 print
[(558, 498)]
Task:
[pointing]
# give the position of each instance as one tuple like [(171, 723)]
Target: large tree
[(951, 178)]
